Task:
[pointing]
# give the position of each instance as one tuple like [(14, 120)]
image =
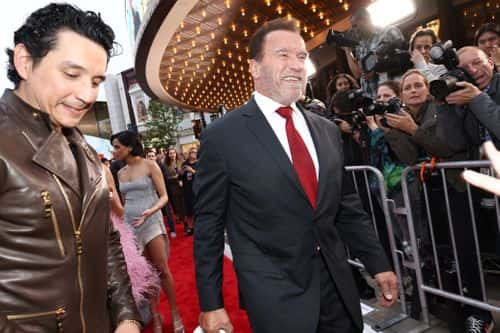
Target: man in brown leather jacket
[(61, 264)]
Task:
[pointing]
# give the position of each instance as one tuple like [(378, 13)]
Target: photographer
[(382, 155), (404, 137), (352, 125), (417, 125), (487, 38), (371, 40), (340, 82), (471, 117), (421, 42)]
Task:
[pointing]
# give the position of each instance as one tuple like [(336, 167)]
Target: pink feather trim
[(143, 276)]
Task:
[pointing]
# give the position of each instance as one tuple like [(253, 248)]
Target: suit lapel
[(260, 128)]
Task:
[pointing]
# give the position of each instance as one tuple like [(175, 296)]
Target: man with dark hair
[(61, 264), (487, 38), (371, 40), (281, 194), (421, 42)]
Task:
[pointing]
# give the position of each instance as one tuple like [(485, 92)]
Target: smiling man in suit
[(280, 194)]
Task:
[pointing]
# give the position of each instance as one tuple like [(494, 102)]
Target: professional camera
[(315, 105), (347, 38), (445, 54), (355, 118), (392, 58), (351, 100), (393, 106)]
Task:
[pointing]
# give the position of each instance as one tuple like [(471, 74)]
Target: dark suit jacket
[(246, 183)]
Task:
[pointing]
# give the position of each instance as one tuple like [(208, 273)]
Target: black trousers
[(333, 317)]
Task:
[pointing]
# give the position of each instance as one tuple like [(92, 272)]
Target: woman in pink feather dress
[(144, 278)]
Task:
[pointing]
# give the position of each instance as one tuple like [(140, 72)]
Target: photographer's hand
[(402, 121), (371, 122), (495, 56), (354, 66), (344, 126), (417, 58), (464, 95)]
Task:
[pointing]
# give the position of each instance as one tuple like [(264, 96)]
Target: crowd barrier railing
[(364, 171), (416, 262)]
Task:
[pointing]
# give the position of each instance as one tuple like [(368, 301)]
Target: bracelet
[(130, 321)]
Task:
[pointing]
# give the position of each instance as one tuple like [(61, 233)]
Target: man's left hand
[(388, 288), (464, 95)]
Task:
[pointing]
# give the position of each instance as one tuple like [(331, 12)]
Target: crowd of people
[(84, 242), (413, 126)]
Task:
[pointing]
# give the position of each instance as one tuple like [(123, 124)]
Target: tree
[(161, 126)]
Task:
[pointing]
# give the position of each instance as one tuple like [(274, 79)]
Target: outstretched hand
[(486, 182)]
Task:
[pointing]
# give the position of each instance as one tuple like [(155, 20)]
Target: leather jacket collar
[(51, 149)]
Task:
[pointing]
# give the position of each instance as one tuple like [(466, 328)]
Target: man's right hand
[(213, 321)]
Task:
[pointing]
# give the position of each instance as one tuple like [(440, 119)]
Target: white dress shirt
[(278, 124)]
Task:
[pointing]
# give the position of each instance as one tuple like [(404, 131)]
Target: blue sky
[(112, 11)]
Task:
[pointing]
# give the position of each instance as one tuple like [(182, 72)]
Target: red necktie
[(301, 159)]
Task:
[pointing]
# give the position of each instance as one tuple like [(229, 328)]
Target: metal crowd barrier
[(416, 263), (379, 178)]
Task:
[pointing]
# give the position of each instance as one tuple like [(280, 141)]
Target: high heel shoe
[(178, 325), (158, 323)]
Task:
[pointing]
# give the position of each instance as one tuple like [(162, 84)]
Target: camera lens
[(443, 86), (436, 52)]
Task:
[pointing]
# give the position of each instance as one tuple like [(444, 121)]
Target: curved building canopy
[(194, 54)]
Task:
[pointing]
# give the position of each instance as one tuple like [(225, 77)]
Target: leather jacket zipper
[(59, 316), (57, 231), (50, 213), (78, 239), (79, 250)]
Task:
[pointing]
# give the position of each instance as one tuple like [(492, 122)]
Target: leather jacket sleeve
[(121, 302)]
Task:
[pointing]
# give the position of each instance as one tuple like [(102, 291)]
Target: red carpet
[(181, 264)]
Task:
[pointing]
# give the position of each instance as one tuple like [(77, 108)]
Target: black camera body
[(352, 100), (347, 38), (445, 54), (393, 58), (355, 118), (349, 102), (391, 106)]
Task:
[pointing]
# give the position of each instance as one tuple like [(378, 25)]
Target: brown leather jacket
[(61, 263)]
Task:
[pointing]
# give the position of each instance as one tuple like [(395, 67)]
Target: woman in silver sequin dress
[(143, 190)]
